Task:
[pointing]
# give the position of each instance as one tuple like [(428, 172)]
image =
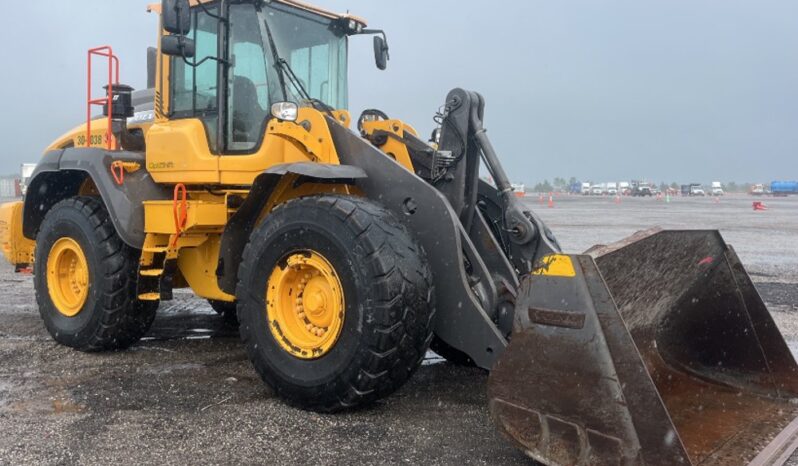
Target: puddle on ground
[(42, 402), (169, 368)]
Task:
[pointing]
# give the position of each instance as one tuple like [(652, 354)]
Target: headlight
[(285, 111)]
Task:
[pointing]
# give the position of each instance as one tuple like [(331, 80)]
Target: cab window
[(251, 81), (194, 88)]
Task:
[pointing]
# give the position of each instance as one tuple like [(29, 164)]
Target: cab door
[(253, 85), (182, 145), (254, 141)]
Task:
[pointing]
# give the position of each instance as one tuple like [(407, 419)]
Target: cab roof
[(156, 8)]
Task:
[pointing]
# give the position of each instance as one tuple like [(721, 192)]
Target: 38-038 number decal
[(96, 140)]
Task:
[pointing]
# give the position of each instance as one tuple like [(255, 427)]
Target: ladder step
[(156, 250), (151, 272), (149, 297)]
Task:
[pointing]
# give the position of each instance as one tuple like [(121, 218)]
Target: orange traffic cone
[(551, 200), (540, 198)]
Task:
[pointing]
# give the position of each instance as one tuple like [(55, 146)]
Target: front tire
[(335, 302), (85, 279)]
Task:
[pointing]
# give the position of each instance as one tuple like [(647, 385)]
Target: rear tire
[(110, 317), (388, 309)]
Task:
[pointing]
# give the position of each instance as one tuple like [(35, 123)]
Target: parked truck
[(784, 188), (757, 190), (717, 189), (641, 188), (693, 189)]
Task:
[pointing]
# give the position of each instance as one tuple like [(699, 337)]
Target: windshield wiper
[(297, 83), (285, 71), (292, 77), (275, 56)]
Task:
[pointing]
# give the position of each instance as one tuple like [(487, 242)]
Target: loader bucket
[(655, 350)]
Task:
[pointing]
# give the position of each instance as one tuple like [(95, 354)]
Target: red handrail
[(113, 79), (180, 211)]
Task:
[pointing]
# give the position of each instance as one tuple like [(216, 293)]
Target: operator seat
[(248, 115)]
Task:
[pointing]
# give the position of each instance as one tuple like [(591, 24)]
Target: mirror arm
[(199, 63), (375, 31), (207, 12), (372, 32)]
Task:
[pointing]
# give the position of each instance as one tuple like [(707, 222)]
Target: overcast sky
[(599, 90)]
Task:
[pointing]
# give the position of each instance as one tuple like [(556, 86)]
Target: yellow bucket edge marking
[(556, 265)]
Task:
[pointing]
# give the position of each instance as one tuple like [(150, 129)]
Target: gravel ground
[(186, 393)]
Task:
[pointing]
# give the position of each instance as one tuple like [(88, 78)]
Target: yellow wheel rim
[(305, 305), (67, 276)]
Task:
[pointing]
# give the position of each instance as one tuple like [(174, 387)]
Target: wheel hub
[(305, 305), (67, 277)]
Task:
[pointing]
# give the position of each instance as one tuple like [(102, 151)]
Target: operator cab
[(265, 53)]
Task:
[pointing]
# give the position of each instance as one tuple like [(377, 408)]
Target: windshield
[(314, 49)]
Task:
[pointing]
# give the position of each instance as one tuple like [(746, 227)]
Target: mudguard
[(239, 227), (61, 173)]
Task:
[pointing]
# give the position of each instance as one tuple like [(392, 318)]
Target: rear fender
[(61, 173)]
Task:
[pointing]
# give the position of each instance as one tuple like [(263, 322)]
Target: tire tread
[(123, 318), (398, 330)]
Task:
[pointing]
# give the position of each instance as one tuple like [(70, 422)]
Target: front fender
[(239, 227)]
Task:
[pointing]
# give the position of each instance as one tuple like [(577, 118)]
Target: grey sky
[(667, 90)]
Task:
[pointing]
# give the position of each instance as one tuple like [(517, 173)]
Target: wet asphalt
[(187, 394)]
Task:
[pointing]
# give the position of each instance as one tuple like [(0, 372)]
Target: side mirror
[(178, 46), (176, 16), (381, 52)]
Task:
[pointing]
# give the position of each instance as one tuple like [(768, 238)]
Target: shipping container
[(8, 188)]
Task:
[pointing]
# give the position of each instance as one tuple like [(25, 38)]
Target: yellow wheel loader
[(345, 254)]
